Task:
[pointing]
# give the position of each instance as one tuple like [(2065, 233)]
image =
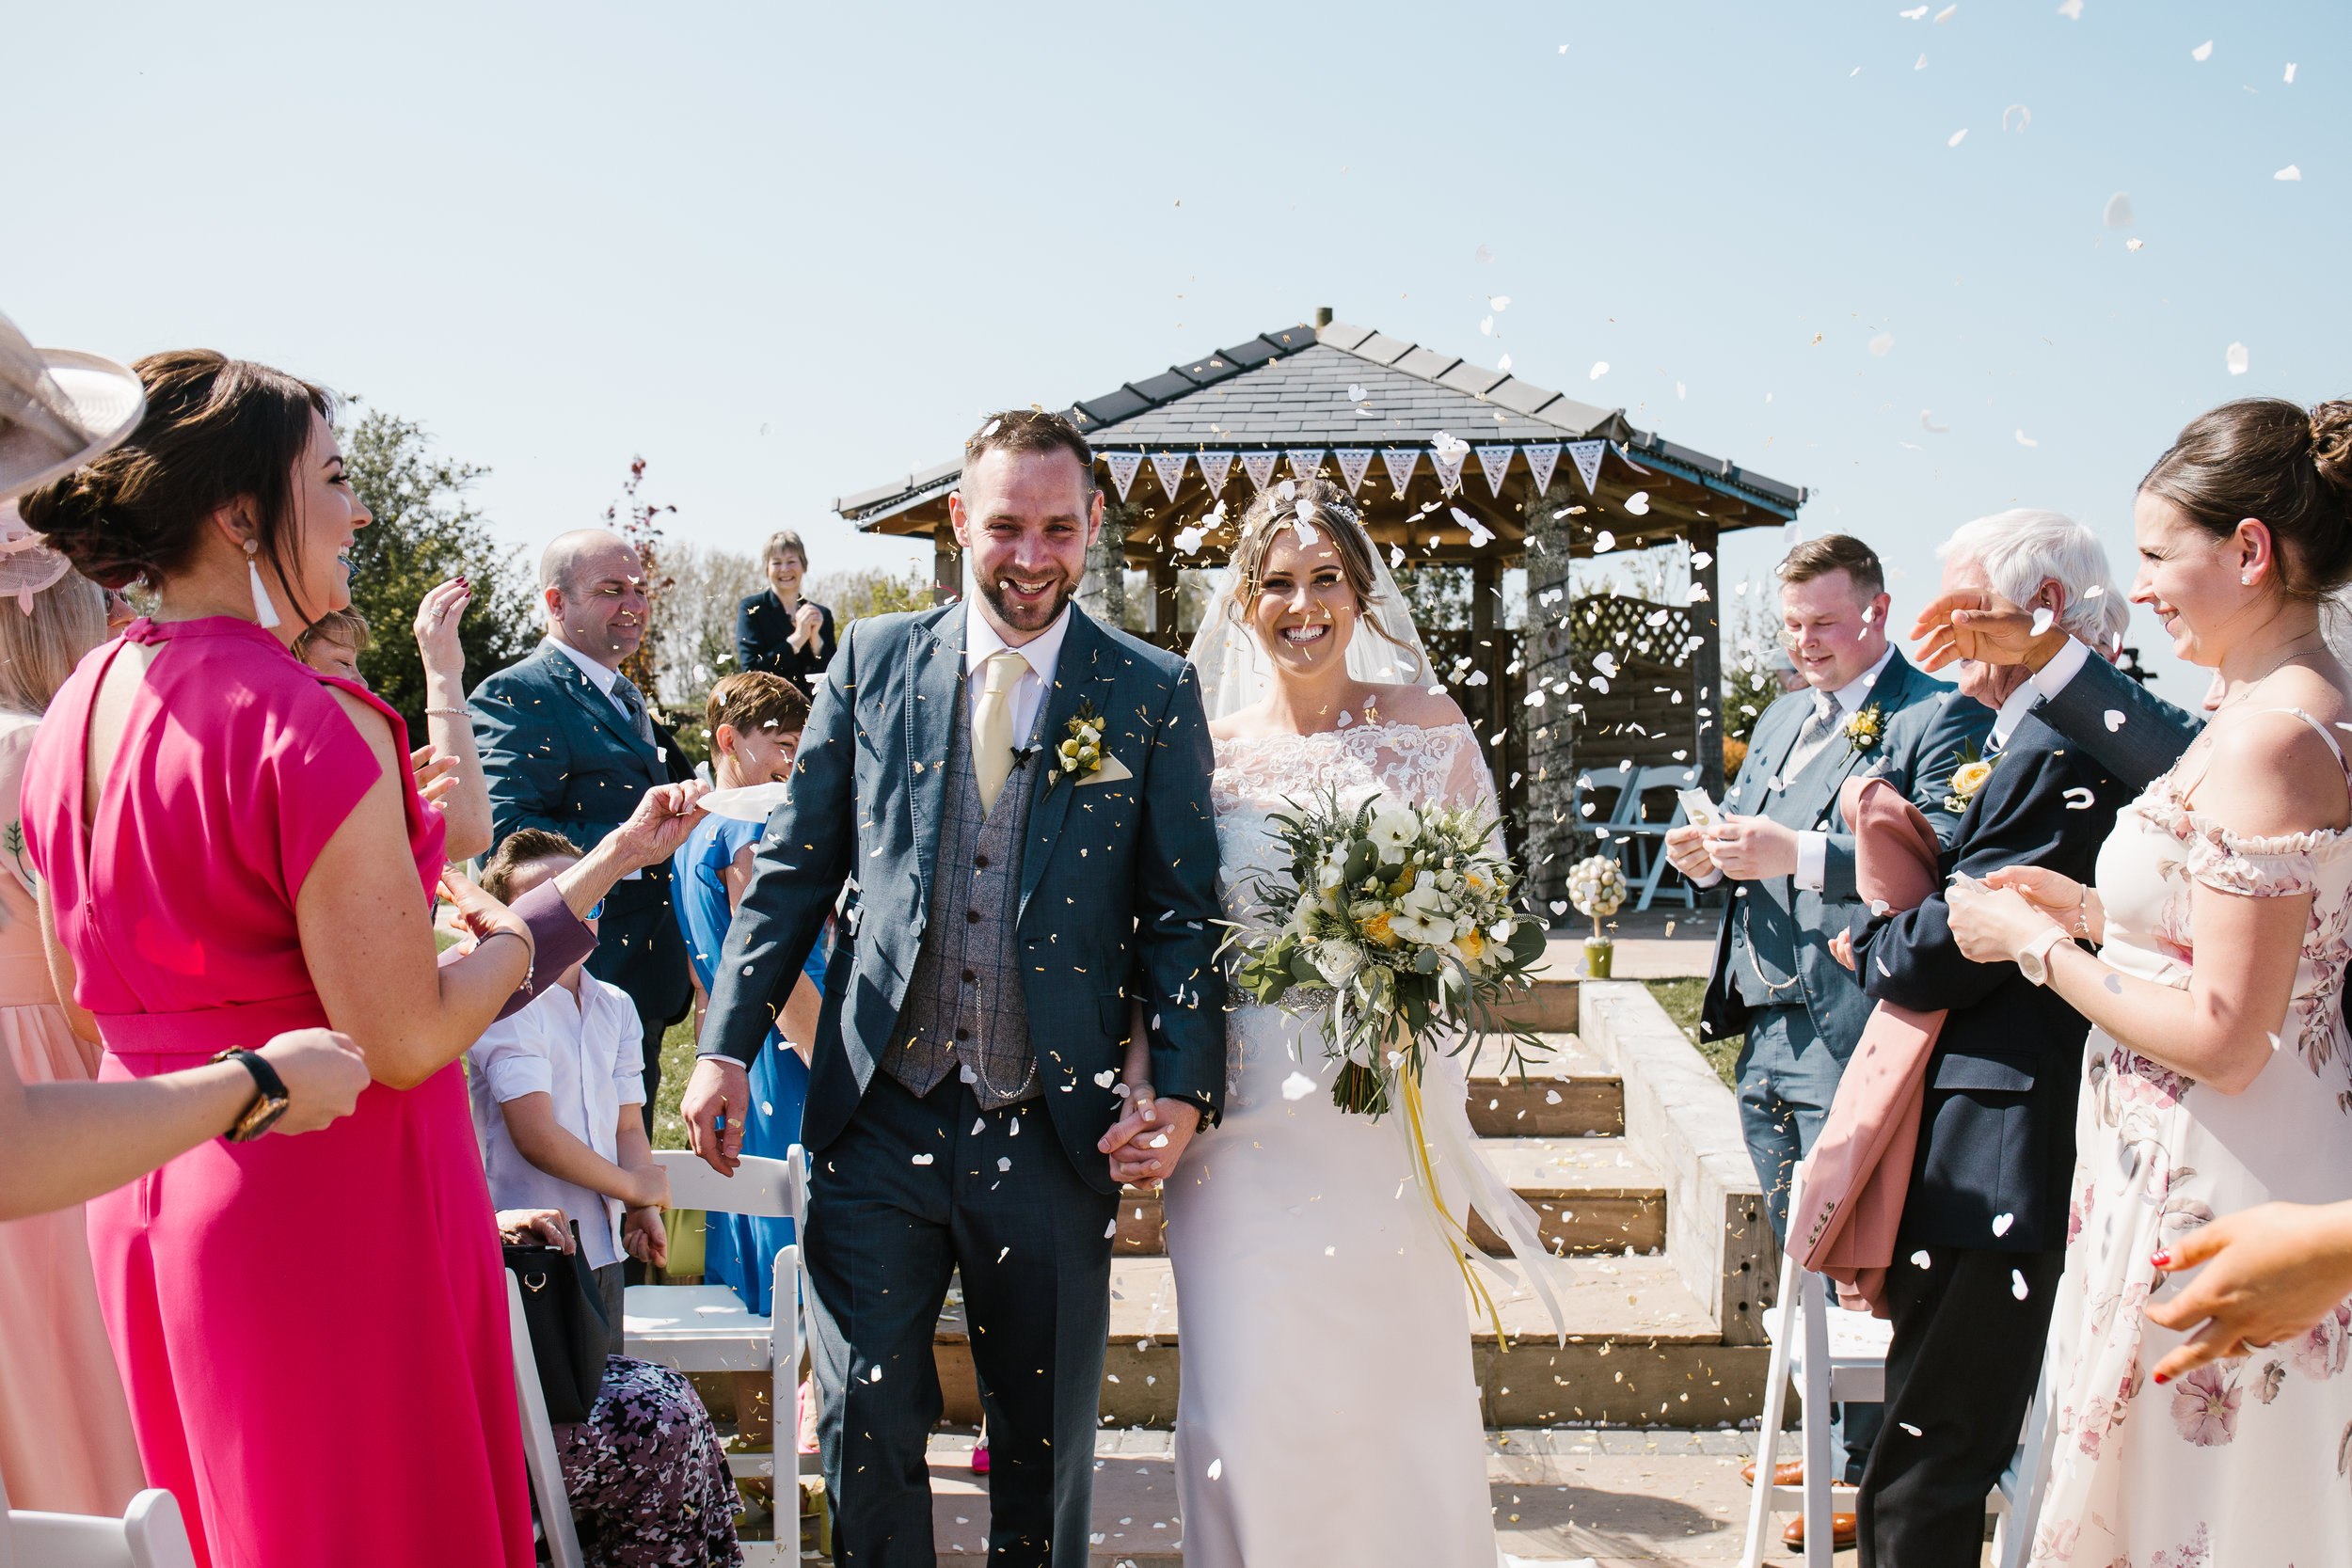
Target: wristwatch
[(2033, 963), (269, 1099)]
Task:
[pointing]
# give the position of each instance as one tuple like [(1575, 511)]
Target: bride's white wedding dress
[(1328, 1412)]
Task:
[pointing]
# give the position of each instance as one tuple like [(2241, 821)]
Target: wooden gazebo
[(1455, 466)]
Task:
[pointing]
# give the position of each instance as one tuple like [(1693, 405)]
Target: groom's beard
[(1025, 617)]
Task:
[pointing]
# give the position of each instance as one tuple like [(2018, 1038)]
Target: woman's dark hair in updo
[(215, 430), (2273, 459)]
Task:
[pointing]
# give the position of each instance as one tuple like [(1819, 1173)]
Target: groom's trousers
[(911, 1190), (1961, 1372)]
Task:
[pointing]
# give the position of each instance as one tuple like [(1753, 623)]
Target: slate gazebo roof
[(1291, 390)]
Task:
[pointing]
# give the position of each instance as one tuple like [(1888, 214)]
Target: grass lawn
[(677, 1061), (1681, 998)]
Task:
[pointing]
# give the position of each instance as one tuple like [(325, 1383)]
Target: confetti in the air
[(2079, 798), (2024, 117), (2017, 1285), (1926, 423), (1297, 1086), (2237, 359), (2119, 213), (1880, 344), (1919, 1259), (1481, 255), (1600, 368), (2042, 618), (2289, 73), (1638, 503), (2071, 9), (2290, 173), (1909, 1428), (1958, 136), (1604, 542), (2001, 1223), (1216, 1467), (922, 1160), (2026, 440), (2202, 52), (2115, 720)]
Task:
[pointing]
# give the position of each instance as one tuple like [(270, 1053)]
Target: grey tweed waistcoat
[(964, 1006)]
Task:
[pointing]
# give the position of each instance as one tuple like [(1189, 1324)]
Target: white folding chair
[(1841, 1356), (149, 1534), (706, 1328), (1635, 831), (547, 1471)]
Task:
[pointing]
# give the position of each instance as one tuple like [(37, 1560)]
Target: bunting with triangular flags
[(1495, 462), (1587, 456), (1399, 461), (1541, 460), (1305, 461), (1352, 461), (1170, 466), (1259, 466), (1216, 469), (1124, 465), (1447, 454)]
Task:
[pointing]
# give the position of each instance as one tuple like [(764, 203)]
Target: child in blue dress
[(755, 721)]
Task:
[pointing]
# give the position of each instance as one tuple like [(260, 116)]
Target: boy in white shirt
[(558, 1090)]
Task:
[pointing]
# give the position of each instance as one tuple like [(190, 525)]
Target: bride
[(1329, 1411)]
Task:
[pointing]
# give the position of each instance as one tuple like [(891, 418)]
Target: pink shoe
[(980, 1457)]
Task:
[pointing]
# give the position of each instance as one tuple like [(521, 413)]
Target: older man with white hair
[(1983, 1241)]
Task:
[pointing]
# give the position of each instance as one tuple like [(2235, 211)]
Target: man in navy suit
[(568, 744), (1983, 1241), (1012, 916), (1862, 710)]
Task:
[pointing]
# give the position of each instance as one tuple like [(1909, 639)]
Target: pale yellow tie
[(991, 723)]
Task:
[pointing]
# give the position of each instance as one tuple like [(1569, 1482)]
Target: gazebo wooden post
[(1706, 674), (1548, 650), (947, 565), (1485, 712)]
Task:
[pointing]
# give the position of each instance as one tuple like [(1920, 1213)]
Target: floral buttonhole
[(1864, 730), (1080, 755)]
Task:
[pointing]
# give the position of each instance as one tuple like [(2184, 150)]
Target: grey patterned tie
[(633, 704), (1816, 734)]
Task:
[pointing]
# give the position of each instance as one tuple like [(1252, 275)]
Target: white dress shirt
[(1043, 652), (1812, 848), (599, 676), (587, 1055)]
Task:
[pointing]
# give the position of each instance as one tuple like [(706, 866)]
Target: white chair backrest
[(760, 1187), (149, 1534), (539, 1456)]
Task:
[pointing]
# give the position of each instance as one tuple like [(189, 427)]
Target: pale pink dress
[(312, 1329), (65, 1432)]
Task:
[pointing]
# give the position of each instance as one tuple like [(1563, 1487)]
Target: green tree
[(871, 590), (427, 532)]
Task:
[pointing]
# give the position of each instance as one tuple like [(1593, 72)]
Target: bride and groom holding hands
[(1021, 914)]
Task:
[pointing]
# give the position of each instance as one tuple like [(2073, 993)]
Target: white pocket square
[(1112, 768)]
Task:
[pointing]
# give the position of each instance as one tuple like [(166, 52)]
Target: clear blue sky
[(788, 252)]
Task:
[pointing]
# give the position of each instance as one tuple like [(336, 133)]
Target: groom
[(960, 1104)]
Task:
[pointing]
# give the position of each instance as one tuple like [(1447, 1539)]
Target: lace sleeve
[(1459, 779), (2280, 867)]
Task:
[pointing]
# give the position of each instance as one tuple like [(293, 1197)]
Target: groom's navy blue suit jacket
[(1996, 1136), (1118, 878)]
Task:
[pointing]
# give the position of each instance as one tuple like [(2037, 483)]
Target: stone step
[(1563, 1091), (1592, 1195), (1642, 1351)]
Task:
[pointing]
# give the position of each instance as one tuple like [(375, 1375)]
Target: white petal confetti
[(1004, 1162), (1160, 1142), (1216, 1467), (1103, 1079), (2290, 173), (1880, 344), (1111, 1229), (2084, 804), (1919, 1259), (2071, 9), (1604, 542), (2115, 984), (1356, 392), (2026, 440), (2115, 720), (874, 1376), (2289, 73), (1187, 540), (922, 1160), (1397, 556), (1926, 423), (2001, 1223), (1958, 136), (1638, 503), (2017, 1285), (1481, 255), (2042, 619), (1909, 1428), (1297, 1086), (1600, 368), (2202, 52)]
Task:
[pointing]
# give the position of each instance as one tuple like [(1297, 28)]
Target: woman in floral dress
[(2217, 1074)]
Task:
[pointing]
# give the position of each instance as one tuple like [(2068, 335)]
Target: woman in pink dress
[(313, 1331), (65, 1432)]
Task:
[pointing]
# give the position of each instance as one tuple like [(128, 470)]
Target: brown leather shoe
[(1788, 1473), (1843, 1528)]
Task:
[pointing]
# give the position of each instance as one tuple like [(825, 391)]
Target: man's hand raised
[(1965, 626)]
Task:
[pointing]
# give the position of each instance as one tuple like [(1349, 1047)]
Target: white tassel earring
[(264, 611)]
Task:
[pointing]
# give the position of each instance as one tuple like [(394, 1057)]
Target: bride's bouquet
[(1405, 917)]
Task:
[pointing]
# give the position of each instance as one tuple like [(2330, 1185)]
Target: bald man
[(570, 745)]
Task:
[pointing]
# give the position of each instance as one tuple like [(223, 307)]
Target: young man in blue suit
[(569, 745), (1862, 710), (1983, 1241), (960, 1112)]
